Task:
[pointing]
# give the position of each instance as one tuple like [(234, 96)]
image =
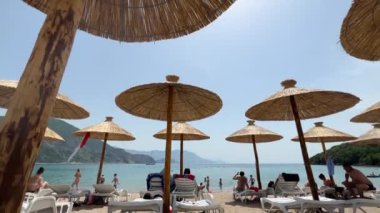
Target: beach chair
[(205, 205), (287, 185), (41, 192), (283, 204), (138, 204), (106, 191), (61, 191), (329, 205), (155, 182), (185, 188), (46, 203), (245, 195)]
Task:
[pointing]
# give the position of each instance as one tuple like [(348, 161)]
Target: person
[(208, 184), (251, 181), (102, 179), (77, 177), (37, 181), (115, 180), (359, 182), (220, 184), (242, 182), (326, 182)]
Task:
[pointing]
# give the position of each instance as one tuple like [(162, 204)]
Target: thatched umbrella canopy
[(254, 134), (169, 101), (64, 107), (182, 131), (370, 137), (123, 20), (50, 135), (360, 33), (106, 130), (322, 134), (370, 115), (143, 20), (294, 103)]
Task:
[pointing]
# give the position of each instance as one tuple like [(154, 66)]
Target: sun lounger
[(360, 202), (138, 204), (46, 203), (205, 205), (243, 196), (185, 188), (329, 205), (283, 204), (104, 190), (287, 185)]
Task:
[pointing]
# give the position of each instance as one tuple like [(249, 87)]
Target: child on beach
[(208, 184), (220, 184), (115, 181), (77, 177)]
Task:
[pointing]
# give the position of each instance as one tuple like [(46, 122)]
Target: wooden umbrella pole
[(256, 162), (324, 149), (181, 157), (33, 101), (309, 172), (168, 151), (102, 158)]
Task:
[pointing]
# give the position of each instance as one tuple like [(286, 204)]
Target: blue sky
[(242, 56)]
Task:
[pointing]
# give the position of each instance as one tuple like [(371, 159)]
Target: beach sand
[(225, 198)]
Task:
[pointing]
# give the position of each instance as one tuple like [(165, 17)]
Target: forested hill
[(354, 153), (57, 152)]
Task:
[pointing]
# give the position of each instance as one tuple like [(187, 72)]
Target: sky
[(242, 56)]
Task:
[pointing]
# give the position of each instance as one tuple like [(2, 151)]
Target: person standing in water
[(115, 180), (220, 184), (77, 177)]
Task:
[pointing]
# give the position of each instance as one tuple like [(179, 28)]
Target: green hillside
[(353, 153), (56, 152)]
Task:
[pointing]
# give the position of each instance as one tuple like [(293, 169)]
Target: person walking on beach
[(242, 182), (220, 184), (77, 177), (251, 181), (208, 184), (115, 180), (37, 181)]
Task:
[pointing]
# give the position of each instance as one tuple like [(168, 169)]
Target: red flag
[(84, 141)]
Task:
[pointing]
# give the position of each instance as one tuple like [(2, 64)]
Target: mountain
[(57, 152), (353, 153), (159, 156)]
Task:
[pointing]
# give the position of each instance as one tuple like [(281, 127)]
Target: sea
[(132, 177)]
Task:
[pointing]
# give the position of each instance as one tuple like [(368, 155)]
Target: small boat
[(374, 176)]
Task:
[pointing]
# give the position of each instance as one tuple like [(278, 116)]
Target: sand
[(225, 198)]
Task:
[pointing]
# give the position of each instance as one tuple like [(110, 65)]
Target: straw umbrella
[(360, 33), (370, 137), (133, 21), (322, 134), (106, 130), (169, 101), (182, 131), (294, 103), (64, 107), (254, 134), (50, 135), (370, 115)]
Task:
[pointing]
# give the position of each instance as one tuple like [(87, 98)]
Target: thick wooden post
[(324, 149), (181, 157), (23, 127), (309, 172), (168, 151), (256, 162), (102, 158)]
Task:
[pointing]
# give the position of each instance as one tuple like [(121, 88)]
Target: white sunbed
[(205, 205), (138, 204), (279, 203), (46, 203), (243, 196)]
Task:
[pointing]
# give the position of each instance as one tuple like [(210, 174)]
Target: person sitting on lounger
[(242, 183), (37, 181), (359, 182), (326, 182)]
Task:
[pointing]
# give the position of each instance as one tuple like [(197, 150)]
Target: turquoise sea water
[(133, 176)]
